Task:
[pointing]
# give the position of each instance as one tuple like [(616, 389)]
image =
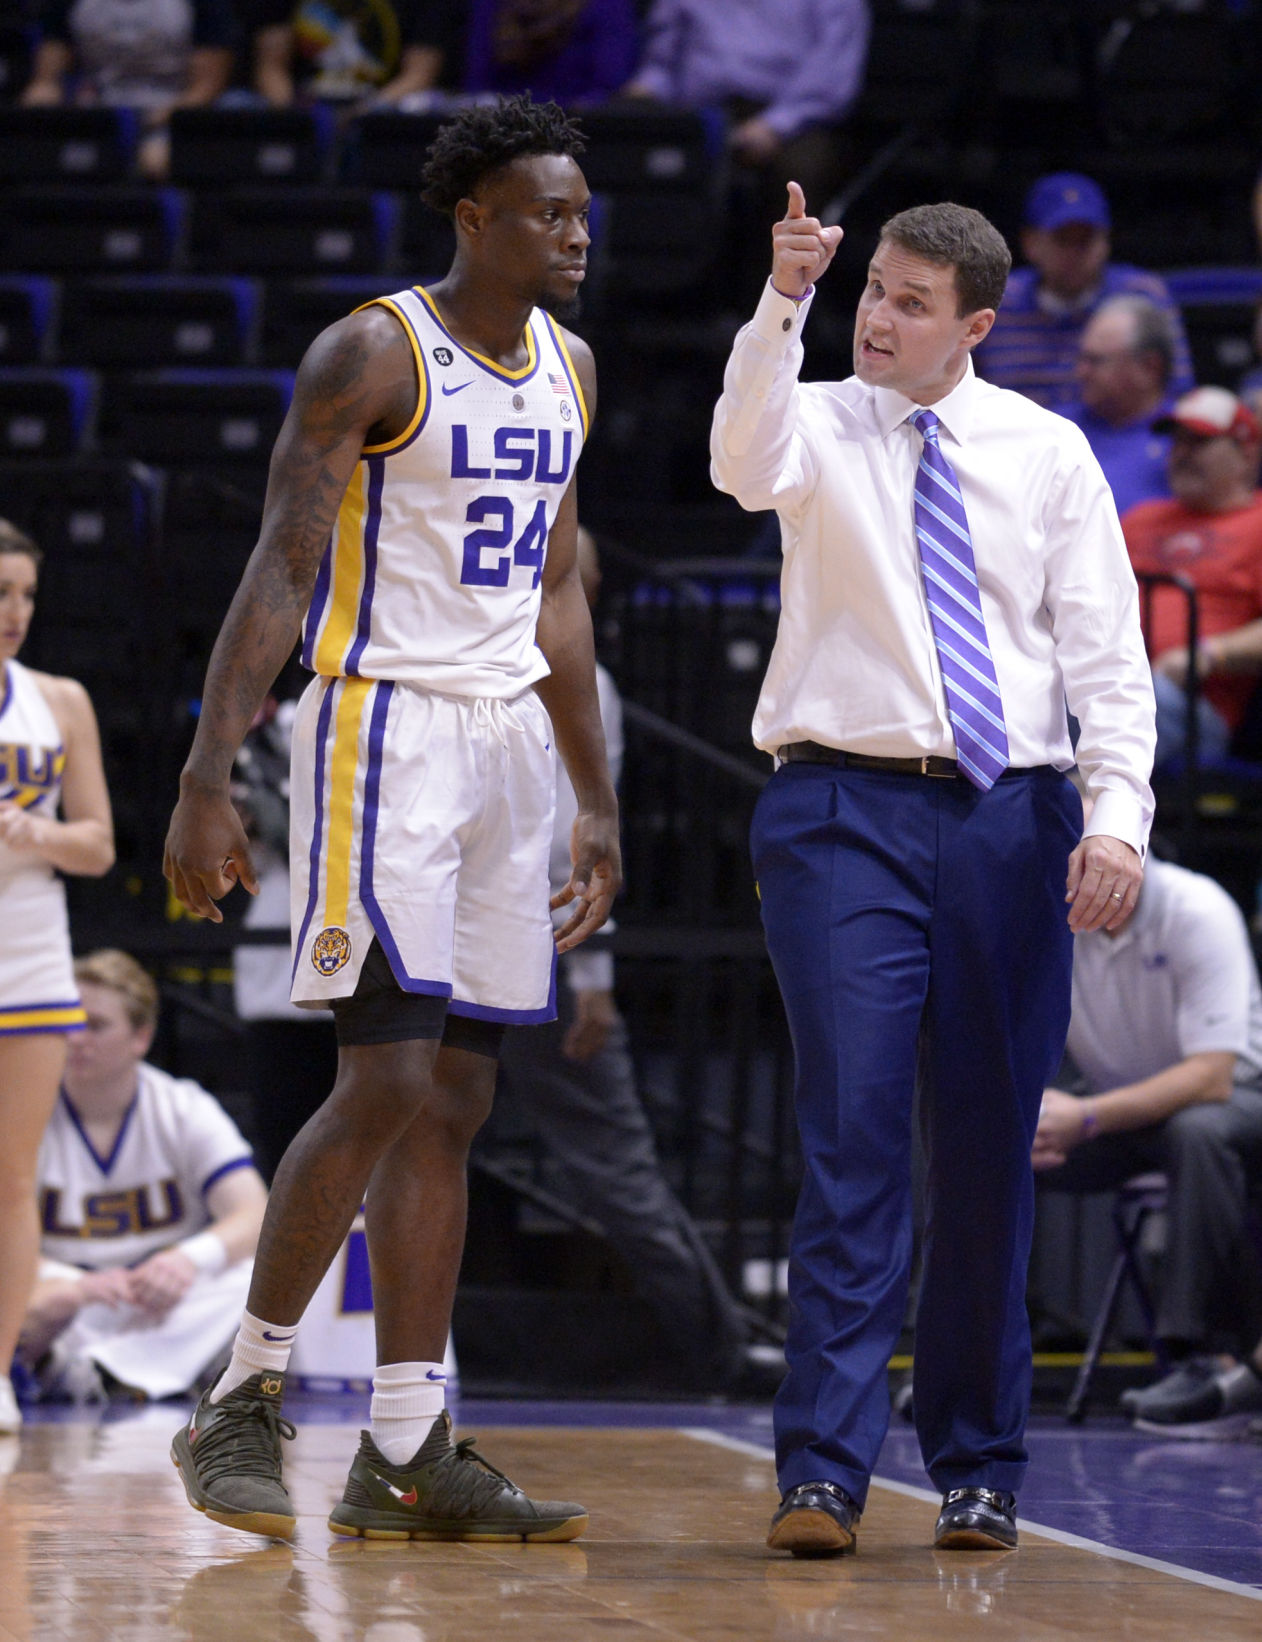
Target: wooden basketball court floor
[(1122, 1538)]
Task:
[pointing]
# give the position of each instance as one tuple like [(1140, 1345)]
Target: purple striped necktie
[(955, 610)]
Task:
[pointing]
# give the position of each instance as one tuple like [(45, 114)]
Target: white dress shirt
[(855, 665)]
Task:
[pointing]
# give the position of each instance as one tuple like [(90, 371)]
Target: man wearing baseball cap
[(1210, 532), (1033, 344)]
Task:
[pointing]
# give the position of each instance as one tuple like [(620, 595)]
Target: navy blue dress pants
[(919, 934)]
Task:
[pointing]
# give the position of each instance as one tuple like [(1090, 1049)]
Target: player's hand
[(206, 851), (595, 878), (162, 1280), (801, 247), (1103, 884), (595, 1017)]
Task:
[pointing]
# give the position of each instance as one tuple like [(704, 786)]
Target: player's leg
[(31, 1065), (409, 1481), (229, 1453)]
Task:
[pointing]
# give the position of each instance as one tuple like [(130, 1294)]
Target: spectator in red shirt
[(1211, 532)]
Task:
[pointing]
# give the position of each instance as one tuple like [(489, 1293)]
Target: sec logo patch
[(330, 950)]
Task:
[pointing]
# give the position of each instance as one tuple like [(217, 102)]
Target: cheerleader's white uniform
[(37, 985)]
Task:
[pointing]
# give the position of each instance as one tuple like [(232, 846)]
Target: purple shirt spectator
[(803, 59), (585, 57)]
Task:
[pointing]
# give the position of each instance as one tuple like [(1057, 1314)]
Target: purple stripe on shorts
[(372, 527), (315, 611), (512, 1017), (317, 831)]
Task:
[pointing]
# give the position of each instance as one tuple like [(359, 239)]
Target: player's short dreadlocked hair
[(484, 138)]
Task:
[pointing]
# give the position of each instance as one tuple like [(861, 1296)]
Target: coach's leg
[(845, 863), (996, 1025)]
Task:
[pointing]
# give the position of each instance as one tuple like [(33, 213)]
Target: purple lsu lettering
[(520, 454)]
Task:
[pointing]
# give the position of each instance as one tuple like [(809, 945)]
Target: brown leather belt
[(812, 752)]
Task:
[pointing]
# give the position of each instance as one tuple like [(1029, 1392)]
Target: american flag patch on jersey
[(560, 384)]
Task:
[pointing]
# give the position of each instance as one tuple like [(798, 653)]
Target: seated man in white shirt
[(150, 1209), (1166, 1037)]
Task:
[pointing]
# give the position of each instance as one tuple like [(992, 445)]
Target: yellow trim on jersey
[(578, 386), (532, 354), (342, 769), (348, 576), (34, 1020), (422, 379)]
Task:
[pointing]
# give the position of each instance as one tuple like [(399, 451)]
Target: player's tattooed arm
[(569, 693), (356, 386)]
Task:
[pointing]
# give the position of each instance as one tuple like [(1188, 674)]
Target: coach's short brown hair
[(13, 540), (122, 974), (957, 236)]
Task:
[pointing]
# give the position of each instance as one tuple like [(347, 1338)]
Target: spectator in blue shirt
[(1125, 362), (1033, 344)]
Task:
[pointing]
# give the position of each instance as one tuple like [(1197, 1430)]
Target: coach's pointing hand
[(801, 247)]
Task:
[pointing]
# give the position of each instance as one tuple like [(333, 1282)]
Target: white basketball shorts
[(426, 821)]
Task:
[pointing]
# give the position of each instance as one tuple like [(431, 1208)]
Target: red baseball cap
[(1211, 412)]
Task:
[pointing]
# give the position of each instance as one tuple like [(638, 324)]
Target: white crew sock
[(406, 1400), (258, 1345)]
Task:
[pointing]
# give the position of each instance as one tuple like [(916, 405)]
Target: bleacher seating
[(45, 411), (180, 417), (106, 229), (72, 145), (236, 147), (160, 319), (28, 307), (293, 231)]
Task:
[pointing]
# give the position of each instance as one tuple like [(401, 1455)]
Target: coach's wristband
[(206, 1251)]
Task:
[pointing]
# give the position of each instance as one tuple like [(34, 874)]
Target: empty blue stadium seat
[(46, 412), (90, 230), (69, 145), (160, 319), (232, 147), (28, 306), (187, 417)]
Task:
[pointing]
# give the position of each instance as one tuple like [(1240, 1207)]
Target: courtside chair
[(1137, 1200)]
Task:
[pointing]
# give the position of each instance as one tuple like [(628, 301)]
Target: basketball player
[(50, 756), (420, 524)]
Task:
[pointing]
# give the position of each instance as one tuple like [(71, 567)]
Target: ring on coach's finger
[(1117, 895)]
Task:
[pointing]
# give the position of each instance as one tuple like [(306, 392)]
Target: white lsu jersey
[(32, 758), (174, 1143), (431, 576)]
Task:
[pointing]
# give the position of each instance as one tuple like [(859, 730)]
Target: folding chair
[(1137, 1200)]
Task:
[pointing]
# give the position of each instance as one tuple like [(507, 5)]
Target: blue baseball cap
[(1066, 196)]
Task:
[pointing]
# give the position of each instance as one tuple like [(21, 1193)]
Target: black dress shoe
[(976, 1519), (817, 1519)]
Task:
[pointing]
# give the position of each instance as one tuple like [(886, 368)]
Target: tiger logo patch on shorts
[(331, 950)]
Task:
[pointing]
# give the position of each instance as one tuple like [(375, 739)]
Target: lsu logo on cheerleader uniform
[(330, 950)]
